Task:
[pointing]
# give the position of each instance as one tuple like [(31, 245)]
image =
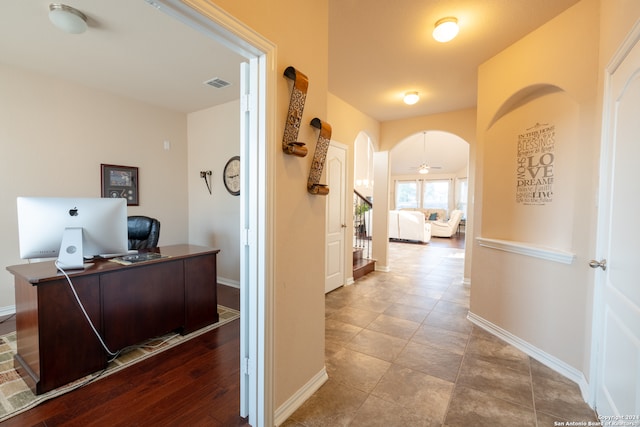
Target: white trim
[(7, 310), (229, 282), (528, 249), (383, 268), (466, 281), (299, 397), (546, 359), (350, 281), (261, 53), (607, 147)]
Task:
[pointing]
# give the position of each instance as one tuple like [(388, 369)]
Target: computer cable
[(95, 331)]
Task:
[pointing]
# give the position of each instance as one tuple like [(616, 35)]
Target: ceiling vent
[(217, 83)]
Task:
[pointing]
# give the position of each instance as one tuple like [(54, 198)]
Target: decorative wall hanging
[(120, 181), (534, 168), (294, 116), (319, 157), (206, 175), (231, 175)]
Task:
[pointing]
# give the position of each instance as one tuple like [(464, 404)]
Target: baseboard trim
[(7, 310), (294, 402), (383, 268), (229, 282), (546, 359)]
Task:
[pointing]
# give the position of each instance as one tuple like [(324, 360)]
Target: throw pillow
[(433, 216)]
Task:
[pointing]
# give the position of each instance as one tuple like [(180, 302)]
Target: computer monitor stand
[(70, 256)]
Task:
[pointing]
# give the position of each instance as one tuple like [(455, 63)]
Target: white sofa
[(430, 214), (446, 228), (409, 225)]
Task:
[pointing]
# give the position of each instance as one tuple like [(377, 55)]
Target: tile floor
[(401, 352)]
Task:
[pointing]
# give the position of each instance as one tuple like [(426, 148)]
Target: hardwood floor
[(195, 384), (455, 241)]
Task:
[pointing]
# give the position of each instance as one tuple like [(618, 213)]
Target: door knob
[(595, 264), (344, 226)]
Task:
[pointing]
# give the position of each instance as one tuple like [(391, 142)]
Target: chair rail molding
[(528, 249)]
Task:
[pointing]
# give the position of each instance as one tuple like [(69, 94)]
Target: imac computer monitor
[(71, 229)]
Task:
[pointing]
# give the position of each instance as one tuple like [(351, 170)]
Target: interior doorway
[(258, 82), (616, 340)]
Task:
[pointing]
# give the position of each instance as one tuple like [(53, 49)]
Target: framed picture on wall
[(120, 181)]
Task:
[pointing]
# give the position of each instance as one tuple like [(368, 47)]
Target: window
[(435, 194), (406, 194), (432, 194), (462, 192)]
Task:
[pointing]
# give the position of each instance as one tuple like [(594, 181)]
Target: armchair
[(144, 232), (448, 228)]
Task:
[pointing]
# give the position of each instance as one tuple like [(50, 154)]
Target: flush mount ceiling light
[(446, 29), (411, 98), (67, 18)]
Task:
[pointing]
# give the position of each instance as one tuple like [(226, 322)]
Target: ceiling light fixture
[(411, 98), (67, 18), (423, 169), (446, 29)]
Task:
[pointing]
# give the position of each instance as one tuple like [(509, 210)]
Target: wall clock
[(232, 175)]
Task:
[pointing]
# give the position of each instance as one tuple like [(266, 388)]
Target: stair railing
[(362, 216)]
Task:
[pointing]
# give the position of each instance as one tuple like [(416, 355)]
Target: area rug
[(16, 397)]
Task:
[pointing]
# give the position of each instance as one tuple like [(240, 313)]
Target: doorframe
[(347, 249), (257, 328), (604, 213)]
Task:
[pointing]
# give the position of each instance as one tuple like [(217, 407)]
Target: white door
[(617, 296), (336, 172)]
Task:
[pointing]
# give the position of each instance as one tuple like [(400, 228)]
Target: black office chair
[(144, 232)]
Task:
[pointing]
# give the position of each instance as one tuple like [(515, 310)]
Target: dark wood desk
[(127, 304)]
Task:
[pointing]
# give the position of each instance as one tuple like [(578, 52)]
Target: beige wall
[(461, 123), (349, 122), (544, 303), (347, 125), (54, 136), (214, 219), (300, 31)]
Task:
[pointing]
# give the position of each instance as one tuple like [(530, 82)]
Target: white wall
[(54, 135), (214, 219)]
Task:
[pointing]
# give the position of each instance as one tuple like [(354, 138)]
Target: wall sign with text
[(534, 170)]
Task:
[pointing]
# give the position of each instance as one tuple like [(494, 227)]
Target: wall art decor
[(319, 158), (290, 145), (120, 181), (535, 162)]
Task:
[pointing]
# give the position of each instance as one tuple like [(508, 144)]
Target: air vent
[(217, 83)]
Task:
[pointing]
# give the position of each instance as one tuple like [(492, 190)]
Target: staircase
[(361, 266), (362, 215)]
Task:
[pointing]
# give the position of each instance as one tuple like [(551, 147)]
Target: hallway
[(401, 352)]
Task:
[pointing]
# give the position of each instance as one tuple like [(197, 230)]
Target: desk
[(127, 304)]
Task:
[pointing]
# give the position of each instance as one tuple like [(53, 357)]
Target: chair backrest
[(455, 218), (144, 232)]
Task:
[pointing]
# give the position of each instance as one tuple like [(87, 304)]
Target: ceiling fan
[(424, 166)]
